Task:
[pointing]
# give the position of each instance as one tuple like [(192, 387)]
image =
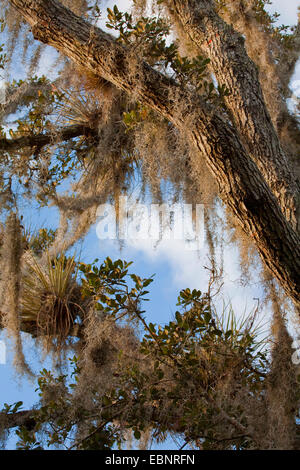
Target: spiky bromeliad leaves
[(51, 298)]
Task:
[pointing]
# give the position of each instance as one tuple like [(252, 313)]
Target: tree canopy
[(190, 94)]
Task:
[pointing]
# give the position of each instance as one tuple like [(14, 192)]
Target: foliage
[(183, 374), (72, 140)]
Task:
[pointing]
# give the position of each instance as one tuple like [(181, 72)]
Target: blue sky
[(175, 268)]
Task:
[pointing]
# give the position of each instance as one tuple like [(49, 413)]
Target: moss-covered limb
[(40, 140), (20, 418), (232, 67), (241, 184)]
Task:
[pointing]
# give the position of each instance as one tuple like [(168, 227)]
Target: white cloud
[(287, 10), (183, 268)]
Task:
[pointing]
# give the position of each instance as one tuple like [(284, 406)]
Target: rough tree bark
[(241, 184), (21, 418), (40, 140), (232, 67)]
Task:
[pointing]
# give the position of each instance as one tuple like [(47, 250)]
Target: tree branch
[(240, 182), (40, 140), (21, 418)]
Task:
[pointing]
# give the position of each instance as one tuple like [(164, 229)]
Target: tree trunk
[(240, 182), (233, 68)]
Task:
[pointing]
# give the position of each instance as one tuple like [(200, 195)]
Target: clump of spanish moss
[(108, 347), (11, 255), (282, 398)]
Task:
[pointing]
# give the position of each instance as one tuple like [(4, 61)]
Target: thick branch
[(240, 182), (232, 67), (21, 418), (40, 140)]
